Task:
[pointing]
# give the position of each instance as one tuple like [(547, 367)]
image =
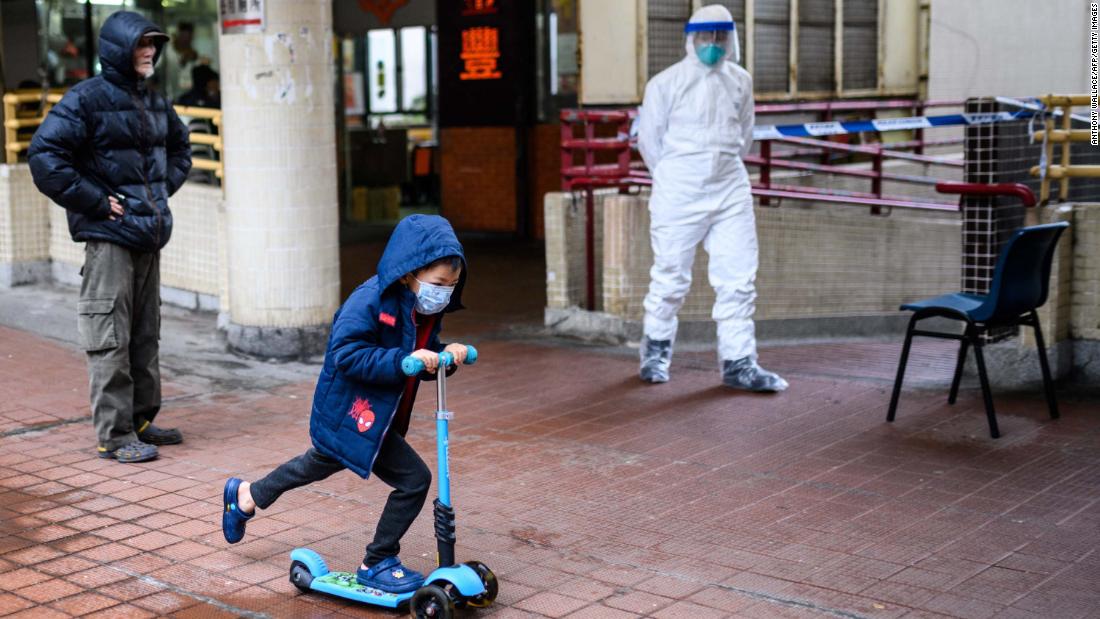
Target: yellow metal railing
[(1065, 136), (25, 110)]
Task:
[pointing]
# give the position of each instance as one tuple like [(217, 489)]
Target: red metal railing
[(591, 174), (1020, 190), (597, 152)]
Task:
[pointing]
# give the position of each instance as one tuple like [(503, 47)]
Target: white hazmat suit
[(694, 127)]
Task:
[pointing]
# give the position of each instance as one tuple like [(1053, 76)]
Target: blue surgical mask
[(433, 298), (710, 54)]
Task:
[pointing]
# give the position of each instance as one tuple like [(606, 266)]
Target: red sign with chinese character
[(480, 52), (486, 62)]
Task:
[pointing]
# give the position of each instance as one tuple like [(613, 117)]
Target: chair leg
[(901, 369), (963, 345), (986, 394), (1048, 384)]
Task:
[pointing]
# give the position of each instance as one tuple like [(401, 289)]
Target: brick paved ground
[(589, 494)]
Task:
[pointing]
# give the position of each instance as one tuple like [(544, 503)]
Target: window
[(558, 71), (398, 72), (769, 54)]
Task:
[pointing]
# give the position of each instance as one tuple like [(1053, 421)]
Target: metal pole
[(766, 170), (590, 247), (876, 181)]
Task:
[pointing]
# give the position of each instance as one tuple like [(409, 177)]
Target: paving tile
[(677, 501), (33, 555), (48, 591), (551, 604), (164, 603), (599, 611), (689, 609), (122, 611), (84, 603), (10, 604), (22, 577)]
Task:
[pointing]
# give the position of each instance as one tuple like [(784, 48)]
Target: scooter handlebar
[(412, 366)]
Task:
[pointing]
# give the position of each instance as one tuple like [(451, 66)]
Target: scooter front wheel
[(489, 579), (431, 602)]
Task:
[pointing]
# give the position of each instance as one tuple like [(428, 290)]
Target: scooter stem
[(444, 512)]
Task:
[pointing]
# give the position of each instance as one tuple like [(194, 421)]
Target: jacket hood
[(417, 241), (117, 39)]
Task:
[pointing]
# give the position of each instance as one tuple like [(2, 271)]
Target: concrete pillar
[(281, 181)]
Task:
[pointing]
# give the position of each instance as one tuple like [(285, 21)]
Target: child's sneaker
[(233, 519), (390, 576)]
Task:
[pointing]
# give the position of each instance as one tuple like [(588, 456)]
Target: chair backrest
[(1021, 279)]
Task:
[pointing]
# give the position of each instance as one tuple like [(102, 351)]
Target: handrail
[(13, 123), (1020, 190), (1065, 135)]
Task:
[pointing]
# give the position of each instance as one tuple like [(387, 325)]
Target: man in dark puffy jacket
[(111, 152)]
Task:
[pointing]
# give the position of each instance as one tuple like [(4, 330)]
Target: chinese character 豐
[(480, 7), (480, 51)]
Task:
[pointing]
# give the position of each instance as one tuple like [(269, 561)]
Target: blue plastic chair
[(1021, 281)]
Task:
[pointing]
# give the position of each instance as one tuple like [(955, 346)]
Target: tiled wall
[(1085, 304), (23, 218), (564, 217), (33, 229), (478, 177), (189, 261)]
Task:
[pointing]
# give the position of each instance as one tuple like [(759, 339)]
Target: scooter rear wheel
[(300, 576), (431, 602)]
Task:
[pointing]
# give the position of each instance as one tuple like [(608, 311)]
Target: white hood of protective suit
[(714, 13)]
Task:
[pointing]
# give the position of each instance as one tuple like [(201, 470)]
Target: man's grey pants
[(119, 325)]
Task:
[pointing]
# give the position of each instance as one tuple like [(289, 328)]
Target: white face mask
[(432, 298)]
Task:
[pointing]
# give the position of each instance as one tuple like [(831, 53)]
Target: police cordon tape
[(813, 130)]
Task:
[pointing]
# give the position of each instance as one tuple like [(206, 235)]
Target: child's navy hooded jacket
[(361, 381)]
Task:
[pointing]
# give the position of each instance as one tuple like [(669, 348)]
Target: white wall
[(612, 62), (1008, 48)]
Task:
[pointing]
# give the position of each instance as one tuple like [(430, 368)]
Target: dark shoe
[(747, 375), (656, 356), (233, 519), (390, 576), (136, 451), (153, 435)]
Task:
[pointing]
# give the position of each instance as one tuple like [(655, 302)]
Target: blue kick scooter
[(471, 584)]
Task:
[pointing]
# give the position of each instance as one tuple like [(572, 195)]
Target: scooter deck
[(343, 584)]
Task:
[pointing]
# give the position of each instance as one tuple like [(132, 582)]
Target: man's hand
[(459, 352), (116, 208), (429, 358)]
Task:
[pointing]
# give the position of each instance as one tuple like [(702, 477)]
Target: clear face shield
[(713, 42)]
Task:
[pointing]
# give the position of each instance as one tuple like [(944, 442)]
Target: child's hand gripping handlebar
[(412, 366)]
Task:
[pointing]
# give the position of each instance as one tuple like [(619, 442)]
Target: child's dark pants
[(397, 464)]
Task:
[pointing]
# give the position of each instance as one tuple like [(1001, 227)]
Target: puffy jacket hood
[(117, 40), (417, 241)]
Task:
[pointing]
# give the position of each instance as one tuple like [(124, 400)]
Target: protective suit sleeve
[(748, 118), (652, 124)]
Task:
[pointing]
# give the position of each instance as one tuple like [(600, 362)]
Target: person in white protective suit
[(694, 127)]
